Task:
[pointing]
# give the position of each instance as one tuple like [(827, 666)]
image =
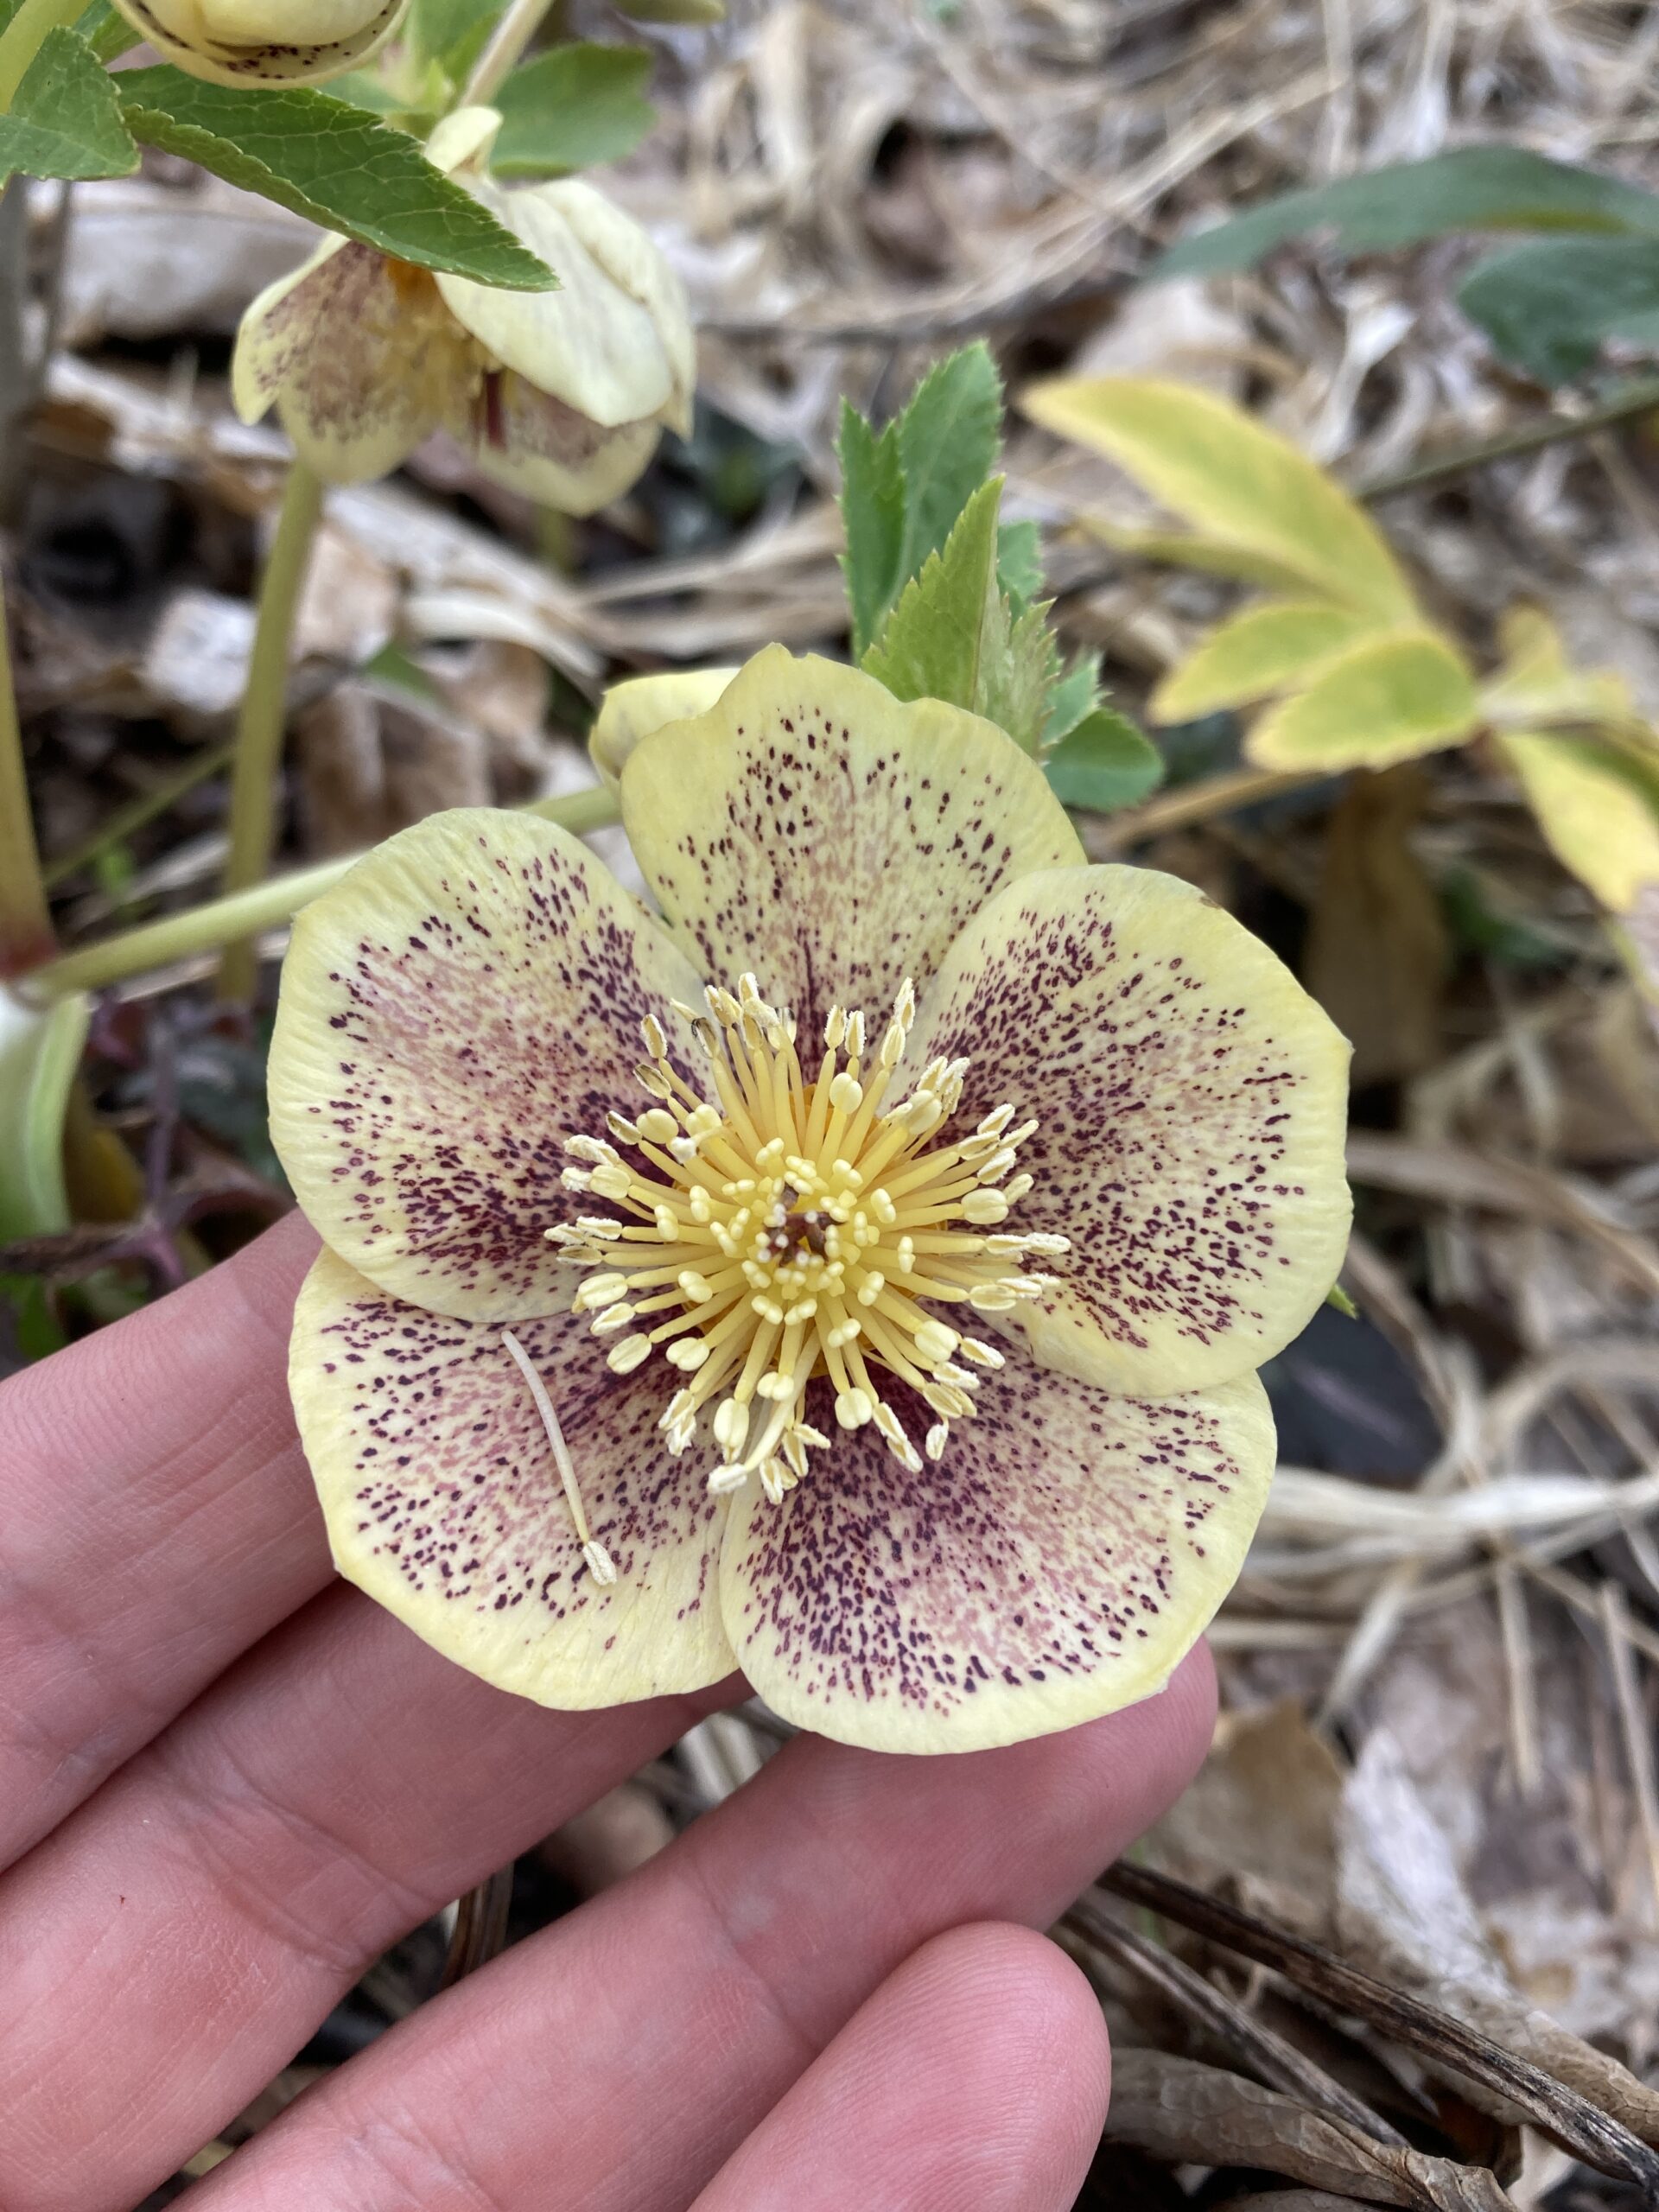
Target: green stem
[(1640, 397), (137, 811), (20, 39), (500, 56), (245, 913), (25, 919), (265, 714)]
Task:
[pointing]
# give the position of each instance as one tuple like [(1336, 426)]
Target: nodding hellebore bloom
[(857, 1277), (560, 394), (264, 41)]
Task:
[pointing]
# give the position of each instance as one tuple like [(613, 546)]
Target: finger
[(169, 1949), (629, 2049), (158, 1520), (977, 2076)]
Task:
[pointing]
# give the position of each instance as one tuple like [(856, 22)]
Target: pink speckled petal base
[(467, 997), (443, 1503), (1191, 1101), (811, 828), (1055, 1565)]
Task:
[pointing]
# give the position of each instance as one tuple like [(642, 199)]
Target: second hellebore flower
[(859, 1280), (560, 394), (264, 41)]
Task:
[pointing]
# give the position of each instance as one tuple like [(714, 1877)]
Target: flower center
[(797, 1225)]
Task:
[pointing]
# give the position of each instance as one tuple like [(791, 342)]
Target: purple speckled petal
[(468, 996), (443, 1503), (814, 830), (1055, 1565), (1191, 1101)]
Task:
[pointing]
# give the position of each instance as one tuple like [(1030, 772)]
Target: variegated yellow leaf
[(1536, 682), (1597, 801), (1383, 700), (1233, 479), (1253, 655)]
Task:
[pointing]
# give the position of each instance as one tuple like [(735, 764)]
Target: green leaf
[(934, 642), (1386, 699), (1071, 697), (948, 438), (1547, 308), (328, 160), (65, 120), (437, 28), (109, 36), (1253, 655), (952, 635), (1597, 801), (1233, 479), (873, 511), (570, 107), (1474, 188), (40, 1051), (1104, 763), (1019, 562)]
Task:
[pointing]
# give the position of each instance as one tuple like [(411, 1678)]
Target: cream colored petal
[(443, 1501), (264, 41), (536, 445), (1053, 1566), (595, 343), (811, 827), (466, 997), (358, 354), (1191, 1101), (632, 710)]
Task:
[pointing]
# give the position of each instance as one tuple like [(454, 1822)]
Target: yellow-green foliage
[(1346, 667)]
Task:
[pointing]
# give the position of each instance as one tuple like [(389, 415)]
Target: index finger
[(158, 1520)]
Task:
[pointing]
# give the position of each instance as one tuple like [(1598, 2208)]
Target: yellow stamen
[(601, 1565), (796, 1227)]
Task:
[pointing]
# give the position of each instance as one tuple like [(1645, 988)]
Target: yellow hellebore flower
[(562, 395), (898, 1348), (264, 41)]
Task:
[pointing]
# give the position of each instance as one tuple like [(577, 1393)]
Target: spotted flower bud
[(264, 41), (560, 395)]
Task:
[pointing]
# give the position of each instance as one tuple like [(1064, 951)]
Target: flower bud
[(560, 395), (264, 41)]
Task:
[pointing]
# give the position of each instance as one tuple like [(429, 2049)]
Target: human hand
[(228, 1782)]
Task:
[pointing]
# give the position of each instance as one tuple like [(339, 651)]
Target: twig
[(481, 1931), (1557, 2112), (1631, 399), (1276, 2063)]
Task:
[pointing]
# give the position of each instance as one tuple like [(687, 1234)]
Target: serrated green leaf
[(65, 120), (1105, 762), (1597, 801), (873, 511), (332, 162), (1236, 481), (1548, 307), (1019, 562), (1071, 697), (40, 1051), (934, 639), (1255, 654), (570, 107), (952, 636), (1020, 661), (1474, 188), (948, 438), (1386, 699)]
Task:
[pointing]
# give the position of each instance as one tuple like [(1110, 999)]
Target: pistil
[(792, 1227)]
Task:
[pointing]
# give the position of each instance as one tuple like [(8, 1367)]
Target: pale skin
[(228, 1782)]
